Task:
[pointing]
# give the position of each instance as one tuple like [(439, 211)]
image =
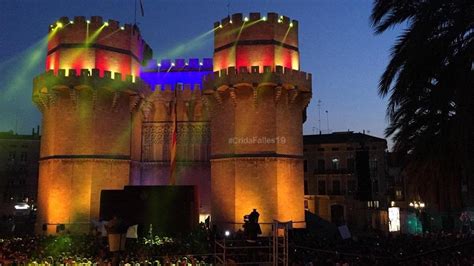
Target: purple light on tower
[(172, 73)]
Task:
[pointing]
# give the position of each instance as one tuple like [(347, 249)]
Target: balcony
[(341, 171)]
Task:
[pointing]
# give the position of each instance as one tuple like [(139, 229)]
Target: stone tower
[(87, 97), (257, 97)]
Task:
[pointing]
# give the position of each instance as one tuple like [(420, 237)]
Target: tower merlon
[(178, 65), (279, 76), (97, 22), (271, 17), (86, 77)]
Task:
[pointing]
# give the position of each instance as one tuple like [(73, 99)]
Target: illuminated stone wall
[(182, 81), (87, 113), (83, 43), (256, 101), (256, 40)]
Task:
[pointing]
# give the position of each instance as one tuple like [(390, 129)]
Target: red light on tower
[(256, 41), (95, 44)]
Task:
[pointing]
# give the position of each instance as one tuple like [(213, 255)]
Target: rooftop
[(340, 137), (12, 135)]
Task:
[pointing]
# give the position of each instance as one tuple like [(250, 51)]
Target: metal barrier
[(265, 250)]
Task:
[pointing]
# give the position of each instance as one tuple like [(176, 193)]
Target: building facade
[(346, 178), (19, 156)]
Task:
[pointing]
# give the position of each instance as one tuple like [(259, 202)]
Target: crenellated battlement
[(95, 22), (48, 86), (264, 40), (253, 76), (96, 43), (86, 76), (184, 92), (179, 65), (269, 18)]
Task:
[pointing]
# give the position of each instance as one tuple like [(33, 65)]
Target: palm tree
[(430, 84)]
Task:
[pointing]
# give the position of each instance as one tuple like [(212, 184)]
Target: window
[(335, 149), (320, 149), (23, 156), (350, 164), (11, 155), (321, 187), (336, 187), (373, 204), (305, 166), (373, 167), (335, 163), (321, 164), (306, 187), (350, 148), (398, 194), (376, 186), (351, 186)]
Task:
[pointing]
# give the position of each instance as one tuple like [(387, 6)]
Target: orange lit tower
[(257, 97), (87, 97)]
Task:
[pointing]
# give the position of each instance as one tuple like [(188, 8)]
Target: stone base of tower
[(69, 191), (272, 185)]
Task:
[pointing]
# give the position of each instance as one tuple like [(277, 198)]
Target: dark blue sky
[(337, 45)]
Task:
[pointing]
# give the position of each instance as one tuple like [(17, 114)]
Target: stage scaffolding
[(265, 250)]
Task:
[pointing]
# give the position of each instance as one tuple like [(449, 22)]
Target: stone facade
[(87, 118), (332, 181), (19, 156), (256, 120)]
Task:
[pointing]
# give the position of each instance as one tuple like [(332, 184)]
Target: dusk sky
[(337, 45)]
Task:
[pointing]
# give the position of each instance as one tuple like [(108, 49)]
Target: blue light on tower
[(179, 71)]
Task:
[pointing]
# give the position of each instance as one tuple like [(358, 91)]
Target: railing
[(265, 250), (333, 171)]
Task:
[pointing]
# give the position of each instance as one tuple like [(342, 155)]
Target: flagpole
[(135, 14), (173, 150)]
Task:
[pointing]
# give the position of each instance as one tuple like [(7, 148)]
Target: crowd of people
[(377, 249), (305, 249), (88, 249)]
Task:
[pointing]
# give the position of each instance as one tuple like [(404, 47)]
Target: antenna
[(16, 115), (327, 118), (319, 115), (228, 8)]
